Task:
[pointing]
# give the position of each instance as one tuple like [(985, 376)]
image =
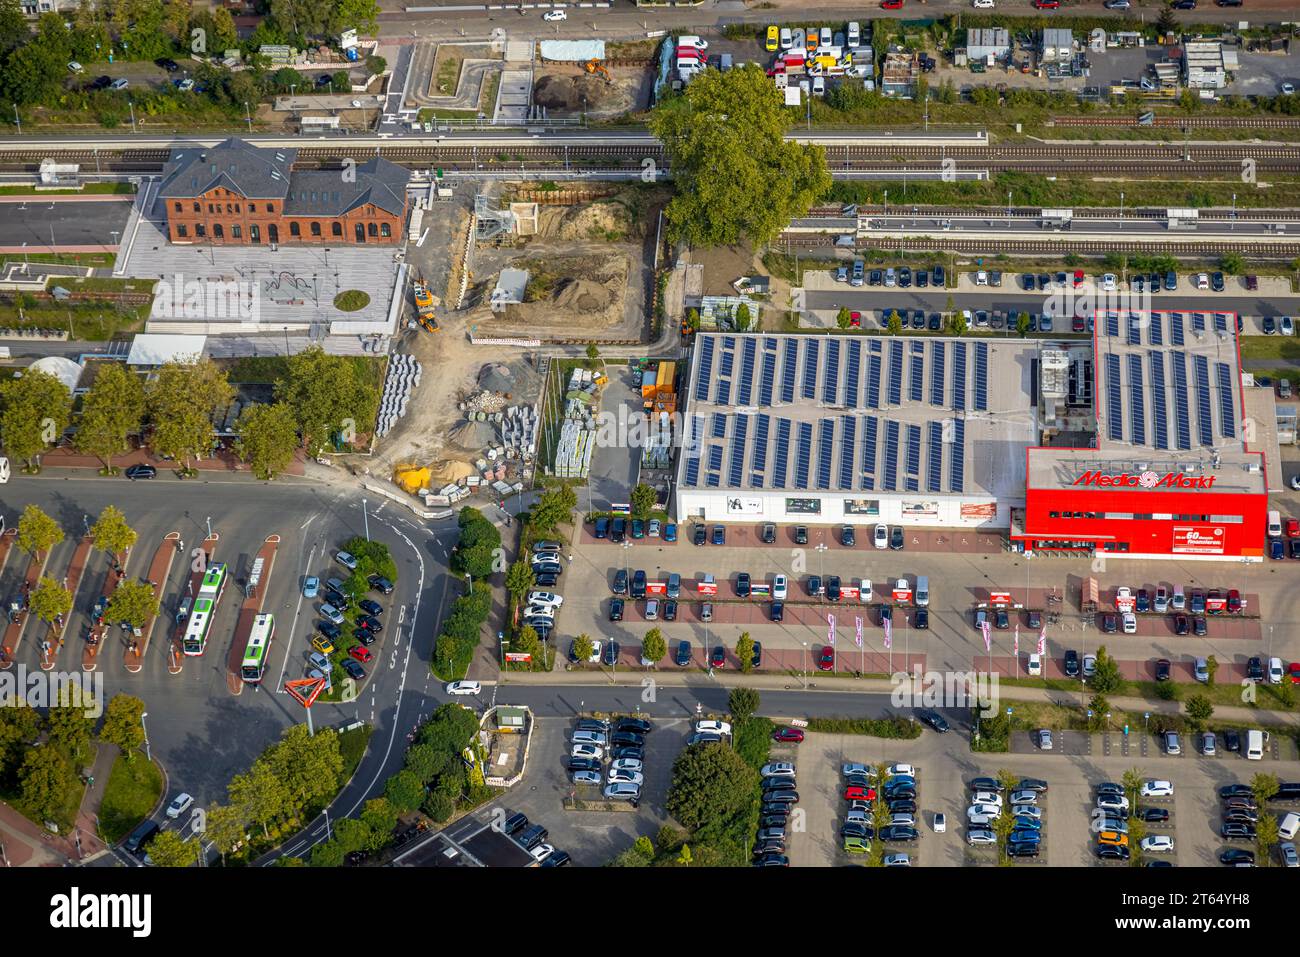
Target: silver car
[(1171, 743), (586, 777)]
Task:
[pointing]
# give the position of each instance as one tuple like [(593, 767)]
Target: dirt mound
[(582, 295), (596, 221), (571, 93)]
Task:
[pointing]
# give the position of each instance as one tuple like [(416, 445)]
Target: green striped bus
[(205, 606), (258, 649)]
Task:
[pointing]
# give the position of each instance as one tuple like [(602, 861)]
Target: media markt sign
[(1198, 540), (1146, 480)]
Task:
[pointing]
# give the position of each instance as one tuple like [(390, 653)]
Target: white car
[(1202, 280), (1123, 594), (1034, 666), (853, 767), (896, 860), (1158, 843), (981, 835), (864, 590), (880, 537), (626, 764), (180, 804), (706, 726), (545, 598), (1044, 739), (552, 16), (986, 797), (75, 67), (586, 777), (540, 611), (1089, 665), (1157, 789), (982, 4), (693, 41), (1027, 810), (593, 751), (981, 278), (625, 777), (894, 770), (902, 820), (347, 560), (779, 588), (1275, 671), (1108, 283), (983, 810), (940, 823), (594, 657), (1288, 89), (1112, 802), (1130, 623), (857, 815), (780, 769), (463, 687), (541, 852), (1286, 326), (1024, 797)]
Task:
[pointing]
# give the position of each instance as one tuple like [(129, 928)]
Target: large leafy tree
[(260, 795), (122, 725), (13, 26), (268, 437), (310, 767), (305, 18), (736, 175), (711, 784), (133, 602), (328, 397), (111, 532), (110, 412), (37, 532), (50, 600), (45, 780), (359, 15), (181, 401), (34, 411)]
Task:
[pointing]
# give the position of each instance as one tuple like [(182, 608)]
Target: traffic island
[(98, 626), (198, 569), (56, 635), (159, 571), (259, 578), (18, 610)]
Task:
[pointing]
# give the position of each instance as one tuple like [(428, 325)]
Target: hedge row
[(892, 727)]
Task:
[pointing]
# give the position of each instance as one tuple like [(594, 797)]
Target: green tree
[(359, 15), (895, 322), (583, 647), (226, 829), (1266, 835), (1107, 677), (742, 703), (50, 600), (44, 782), (328, 397), (653, 646), (742, 317), (554, 508), (737, 178), (37, 532), (111, 532), (1264, 787), (693, 319), (1212, 670), (526, 642), (267, 437), (519, 579), (182, 400), (745, 652), (1024, 324), (13, 26), (404, 791), (381, 817), (479, 546), (111, 412), (1232, 263), (843, 318), (957, 322), (440, 807), (122, 724), (69, 728), (169, 849), (133, 602), (309, 766), (1199, 708), (710, 784), (593, 355), (19, 728), (644, 500), (34, 411), (261, 795)]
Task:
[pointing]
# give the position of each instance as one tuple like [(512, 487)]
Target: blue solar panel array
[(724, 392), (1136, 406), (1159, 407), (737, 468), (714, 478), (913, 450), (1198, 322), (781, 458), (873, 379), (1176, 329), (1112, 324), (811, 349), (745, 392), (982, 376), (1114, 402), (1178, 363), (724, 372), (825, 449), (1203, 405), (957, 458), (1157, 329), (1134, 329), (853, 374), (959, 376), (891, 456), (768, 381), (788, 361), (1227, 413), (831, 374), (1220, 322), (848, 438), (759, 463), (803, 455), (937, 369), (870, 426), (917, 377), (719, 425), (704, 374), (895, 373), (934, 469)]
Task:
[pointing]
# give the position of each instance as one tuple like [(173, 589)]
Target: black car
[(922, 619), (774, 807), (699, 534), (934, 719), (886, 614), (516, 822), (896, 537), (609, 655), (875, 277), (1293, 546), (778, 784), (171, 66), (1171, 277), (141, 472), (1199, 627), (922, 279), (757, 660), (1112, 852), (857, 781), (584, 764), (1270, 325), (904, 278), (380, 584), (626, 739), (1031, 784), (635, 725), (773, 820), (545, 579), (635, 753), (1143, 600), (898, 833), (602, 528), (769, 533), (557, 859), (902, 806), (369, 623), (1027, 282), (986, 784), (1236, 857), (1216, 281), (531, 836), (336, 598), (1255, 669), (778, 611), (1241, 816), (1181, 625), (1163, 668), (363, 636), (101, 83), (328, 629), (1110, 787), (847, 537), (1044, 280), (1231, 739), (371, 607), (918, 319), (801, 534), (618, 530), (1071, 663), (323, 80), (670, 610), (935, 322), (354, 670), (904, 792), (1183, 5), (742, 585), (781, 797), (683, 654), (719, 535), (815, 587), (1153, 815), (1028, 850), (620, 582), (1109, 623), (637, 589), (936, 276), (1240, 804), (1001, 620), (833, 588), (1236, 831), (856, 829)]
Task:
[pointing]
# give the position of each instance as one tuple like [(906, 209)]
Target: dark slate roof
[(233, 164), (327, 193)]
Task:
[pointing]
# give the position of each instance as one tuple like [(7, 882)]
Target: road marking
[(288, 641), (306, 523)]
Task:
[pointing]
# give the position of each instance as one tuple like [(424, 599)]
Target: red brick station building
[(241, 195)]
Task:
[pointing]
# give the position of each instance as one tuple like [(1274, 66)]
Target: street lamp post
[(209, 521), (365, 517), (805, 664), (145, 729)]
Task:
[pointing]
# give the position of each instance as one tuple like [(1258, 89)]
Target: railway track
[(1096, 212), (1191, 122), (1284, 251)]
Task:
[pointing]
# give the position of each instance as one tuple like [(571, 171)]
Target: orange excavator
[(424, 305), (595, 67)]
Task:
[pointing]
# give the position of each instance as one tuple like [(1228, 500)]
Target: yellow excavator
[(424, 305), (595, 67)]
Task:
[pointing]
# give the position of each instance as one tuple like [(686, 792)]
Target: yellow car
[(1113, 837), (323, 645), (773, 39)]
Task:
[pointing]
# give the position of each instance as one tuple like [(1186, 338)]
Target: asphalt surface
[(62, 223)]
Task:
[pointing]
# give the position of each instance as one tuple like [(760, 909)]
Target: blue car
[(1023, 836), (1027, 823), (683, 654), (1276, 550), (670, 532), (719, 535), (311, 587), (638, 528)]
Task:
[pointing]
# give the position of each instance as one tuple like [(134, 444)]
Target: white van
[(786, 38), (1274, 524), (1288, 826), (922, 590), (693, 42), (855, 33), (1256, 742)]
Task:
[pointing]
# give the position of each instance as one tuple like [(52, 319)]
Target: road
[(62, 223)]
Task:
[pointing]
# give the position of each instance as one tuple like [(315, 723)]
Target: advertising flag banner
[(1015, 647), (830, 629), (858, 638), (1042, 641), (988, 641), (889, 633)]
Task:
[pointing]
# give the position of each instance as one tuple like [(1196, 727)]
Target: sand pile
[(596, 221), (570, 93), (582, 295)]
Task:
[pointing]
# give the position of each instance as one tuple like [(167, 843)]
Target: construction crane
[(424, 305), (596, 67)]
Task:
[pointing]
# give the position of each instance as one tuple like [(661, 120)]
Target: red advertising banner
[(707, 588), (518, 656), (1216, 603), (1000, 598), (902, 595), (850, 592), (656, 588), (1198, 539)]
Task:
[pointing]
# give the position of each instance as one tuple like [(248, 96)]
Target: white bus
[(258, 650)]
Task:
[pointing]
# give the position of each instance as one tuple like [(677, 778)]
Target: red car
[(1078, 278), (856, 793), (361, 653), (1234, 600), (1077, 324), (718, 658), (788, 734), (891, 4), (1292, 527), (826, 660), (1046, 4), (855, 320), (1294, 671)]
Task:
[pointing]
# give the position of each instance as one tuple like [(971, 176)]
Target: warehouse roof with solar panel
[(829, 415)]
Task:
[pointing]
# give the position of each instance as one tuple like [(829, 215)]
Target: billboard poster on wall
[(979, 510), (744, 506), (803, 506), (862, 506), (1198, 539), (920, 509)]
